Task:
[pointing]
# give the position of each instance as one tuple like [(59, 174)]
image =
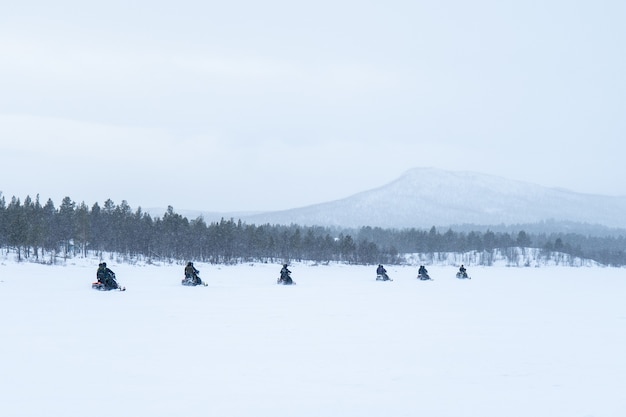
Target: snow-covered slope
[(514, 342), (425, 197)]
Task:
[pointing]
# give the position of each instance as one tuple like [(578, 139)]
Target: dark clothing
[(285, 276), (381, 271), (106, 277), (462, 272), (191, 273), (101, 275), (423, 273)]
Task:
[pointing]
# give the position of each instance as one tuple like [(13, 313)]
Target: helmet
[(189, 264), (104, 264)]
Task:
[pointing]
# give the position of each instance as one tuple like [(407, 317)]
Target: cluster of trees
[(45, 232), (607, 250)]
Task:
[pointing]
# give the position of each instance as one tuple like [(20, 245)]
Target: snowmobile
[(383, 277), (285, 279), (192, 282), (462, 275), (109, 284), (424, 277)]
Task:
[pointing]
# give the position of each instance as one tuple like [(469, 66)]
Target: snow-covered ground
[(510, 342)]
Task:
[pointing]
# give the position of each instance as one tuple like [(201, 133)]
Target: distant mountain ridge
[(426, 197)]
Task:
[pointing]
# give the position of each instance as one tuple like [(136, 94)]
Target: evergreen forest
[(46, 233)]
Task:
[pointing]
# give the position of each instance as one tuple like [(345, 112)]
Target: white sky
[(247, 105)]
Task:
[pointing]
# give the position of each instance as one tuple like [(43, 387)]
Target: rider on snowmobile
[(191, 273), (285, 275), (463, 271), (381, 271), (105, 276), (423, 272)]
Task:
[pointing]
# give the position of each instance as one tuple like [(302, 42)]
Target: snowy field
[(511, 342)]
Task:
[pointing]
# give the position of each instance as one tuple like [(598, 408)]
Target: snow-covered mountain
[(425, 197)]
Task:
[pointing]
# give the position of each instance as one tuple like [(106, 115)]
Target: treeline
[(607, 250), (45, 232)]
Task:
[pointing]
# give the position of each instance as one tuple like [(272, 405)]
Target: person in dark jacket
[(381, 271), (463, 271), (423, 273), (285, 276), (191, 273), (105, 276)]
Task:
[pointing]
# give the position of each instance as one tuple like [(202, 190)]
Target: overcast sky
[(266, 105)]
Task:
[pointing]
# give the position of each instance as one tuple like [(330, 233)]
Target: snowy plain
[(514, 342)]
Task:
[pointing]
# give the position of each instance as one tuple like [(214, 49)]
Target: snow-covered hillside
[(425, 197), (513, 342)]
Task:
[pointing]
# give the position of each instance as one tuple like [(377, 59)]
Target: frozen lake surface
[(514, 342)]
